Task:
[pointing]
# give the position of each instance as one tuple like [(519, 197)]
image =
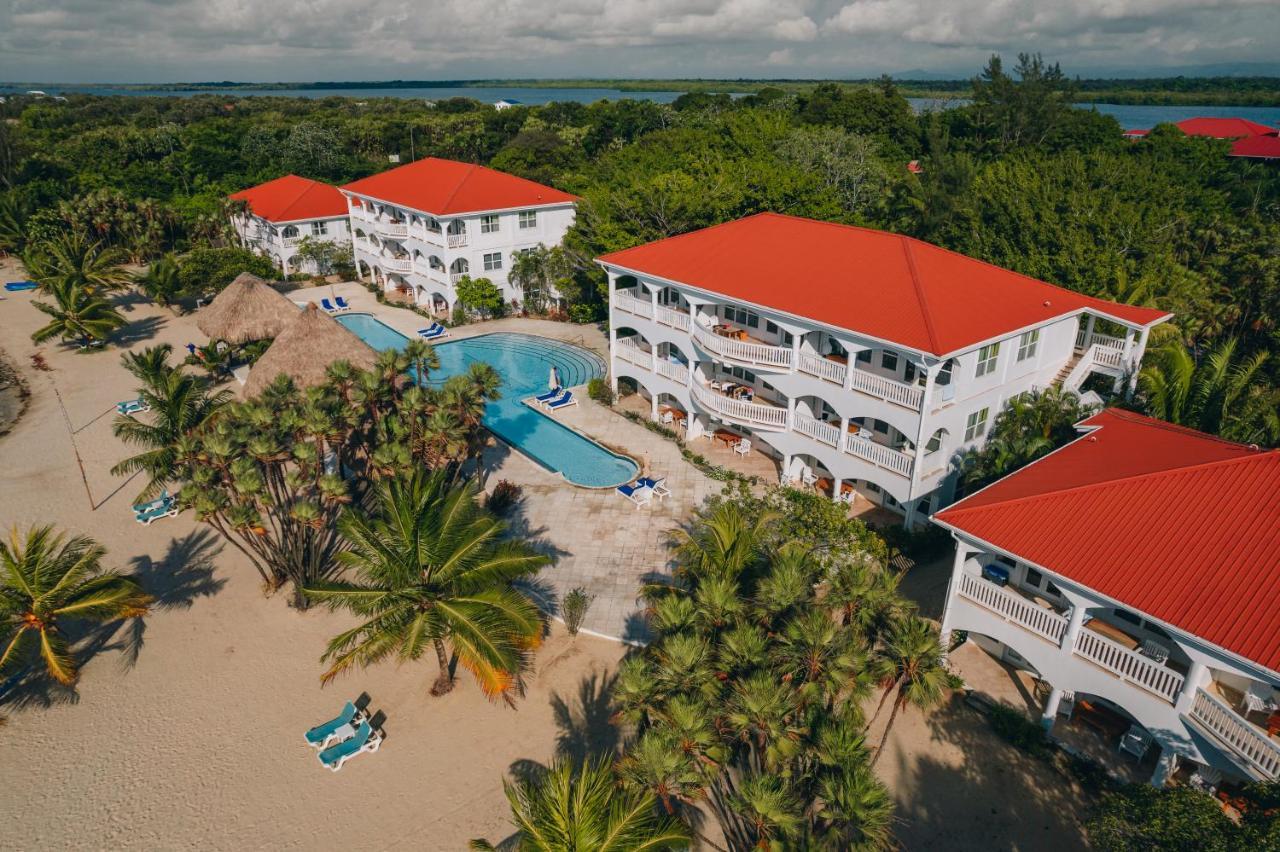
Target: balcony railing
[(1014, 607), (823, 368), (457, 240), (755, 354), (878, 454), (890, 390), (394, 230), (675, 319), (632, 305), (396, 264), (816, 429), (290, 242), (1129, 665), (750, 413), (678, 373), (1244, 740), (455, 277), (433, 237), (628, 351)]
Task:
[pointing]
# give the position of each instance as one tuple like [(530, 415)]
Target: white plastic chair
[(742, 447), (666, 417)]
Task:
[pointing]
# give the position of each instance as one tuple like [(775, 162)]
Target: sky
[(141, 41)]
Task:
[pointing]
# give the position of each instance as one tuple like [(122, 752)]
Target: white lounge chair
[(364, 739), (638, 494), (657, 486), (742, 447)]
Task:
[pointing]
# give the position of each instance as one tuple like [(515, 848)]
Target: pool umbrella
[(306, 348), (644, 465), (555, 377), (247, 309)]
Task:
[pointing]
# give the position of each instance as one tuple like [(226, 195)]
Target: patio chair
[(656, 485), (322, 735), (638, 494), (562, 402), (328, 306), (365, 739), (342, 303), (666, 417), (742, 447), (549, 395), (433, 331), (1136, 741), (132, 406)]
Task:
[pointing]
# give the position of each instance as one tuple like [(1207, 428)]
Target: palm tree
[(726, 541), (912, 656), (179, 402), (47, 580), (72, 259), (432, 571), (1030, 426), (580, 808), (77, 314), (160, 282), (13, 222), (1215, 394)]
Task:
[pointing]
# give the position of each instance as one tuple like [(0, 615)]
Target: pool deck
[(600, 541)]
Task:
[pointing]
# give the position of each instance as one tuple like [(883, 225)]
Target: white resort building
[(1136, 573), (863, 362), (419, 228), (279, 214)]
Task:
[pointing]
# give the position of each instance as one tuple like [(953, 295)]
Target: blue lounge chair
[(328, 306), (19, 286), (657, 486), (562, 402), (433, 331), (166, 507), (321, 735), (365, 739), (549, 395), (132, 406), (342, 303), (638, 494), (559, 394)]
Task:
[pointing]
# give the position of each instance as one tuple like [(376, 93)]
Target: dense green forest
[(1018, 178)]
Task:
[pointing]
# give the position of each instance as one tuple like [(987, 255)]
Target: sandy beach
[(185, 730)]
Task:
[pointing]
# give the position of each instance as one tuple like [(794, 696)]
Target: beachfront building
[(419, 228), (278, 215), (863, 362), (1136, 573)]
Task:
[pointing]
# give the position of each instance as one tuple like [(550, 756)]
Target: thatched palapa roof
[(306, 348), (247, 309)]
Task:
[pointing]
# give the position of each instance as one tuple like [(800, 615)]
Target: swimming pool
[(524, 362)]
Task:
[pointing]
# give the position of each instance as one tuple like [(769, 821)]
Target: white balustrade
[(395, 230), (455, 277), (673, 318), (457, 240), (1129, 665), (1107, 356), (289, 242), (1014, 607), (756, 354), (878, 454), (676, 372), (816, 429), (823, 368), (899, 393), (396, 264), (628, 351), (751, 413), (632, 305), (1243, 738), (1080, 338)]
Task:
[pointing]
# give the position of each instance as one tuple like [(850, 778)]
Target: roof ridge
[(470, 170), (308, 185), (1106, 483), (921, 298), (1176, 428)]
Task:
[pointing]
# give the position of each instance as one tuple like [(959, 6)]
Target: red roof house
[(447, 187), (1214, 128), (1172, 523), (1257, 147), (293, 199)]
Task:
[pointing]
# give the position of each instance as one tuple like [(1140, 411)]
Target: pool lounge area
[(524, 363)]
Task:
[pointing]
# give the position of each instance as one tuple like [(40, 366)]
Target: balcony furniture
[(1153, 650), (666, 417), (1206, 779), (1115, 634), (1136, 741), (808, 477), (742, 447), (1254, 703), (839, 359), (996, 574), (1273, 724), (824, 484), (726, 437)]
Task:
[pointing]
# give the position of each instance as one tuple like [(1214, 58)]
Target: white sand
[(186, 730)]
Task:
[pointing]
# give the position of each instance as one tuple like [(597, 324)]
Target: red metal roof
[(888, 286), (1257, 147), (447, 187), (1216, 128), (1171, 522), (293, 199)]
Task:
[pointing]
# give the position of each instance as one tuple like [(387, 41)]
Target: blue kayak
[(15, 286)]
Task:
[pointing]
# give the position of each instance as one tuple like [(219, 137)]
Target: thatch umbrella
[(306, 348), (247, 309)]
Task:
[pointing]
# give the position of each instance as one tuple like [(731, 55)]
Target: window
[(289, 232), (1027, 344), (987, 356), (489, 224), (770, 327), (492, 261), (319, 229), (976, 425), (788, 339), (528, 219), (889, 360), (864, 355), (880, 426), (935, 443), (1034, 577)]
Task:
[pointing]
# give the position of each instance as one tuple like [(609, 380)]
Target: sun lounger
[(328, 306), (322, 735), (435, 330), (562, 402), (657, 486), (19, 286), (132, 406), (638, 494), (365, 739), (560, 394), (342, 303), (549, 395), (165, 507)]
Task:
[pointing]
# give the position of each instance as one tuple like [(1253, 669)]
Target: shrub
[(582, 314), (505, 495), (208, 270), (459, 315), (574, 609), (1014, 726), (599, 390)]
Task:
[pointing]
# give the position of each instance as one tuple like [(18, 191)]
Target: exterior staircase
[(1066, 369)]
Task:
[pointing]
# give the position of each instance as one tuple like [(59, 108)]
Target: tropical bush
[(574, 609), (504, 497), (599, 390)]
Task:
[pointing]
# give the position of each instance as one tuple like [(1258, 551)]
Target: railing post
[(1187, 696), (1073, 627)]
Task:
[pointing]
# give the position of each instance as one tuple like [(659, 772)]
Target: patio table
[(726, 437), (1153, 650)]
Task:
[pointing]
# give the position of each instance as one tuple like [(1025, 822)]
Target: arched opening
[(434, 262), (438, 304), (672, 414), (290, 232), (432, 224), (459, 268)]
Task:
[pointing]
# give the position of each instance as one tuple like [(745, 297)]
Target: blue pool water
[(524, 362)]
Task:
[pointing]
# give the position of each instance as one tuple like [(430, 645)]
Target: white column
[(786, 466), (613, 334), (1088, 330), (1051, 709), (791, 413), (835, 488), (1134, 361), (1167, 765), (1073, 627), (795, 351), (957, 568), (653, 406), (1192, 682)]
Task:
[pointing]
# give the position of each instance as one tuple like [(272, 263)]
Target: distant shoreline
[(1161, 91)]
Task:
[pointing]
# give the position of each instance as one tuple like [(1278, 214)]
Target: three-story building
[(420, 227), (859, 359), (1136, 572), (278, 215)]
